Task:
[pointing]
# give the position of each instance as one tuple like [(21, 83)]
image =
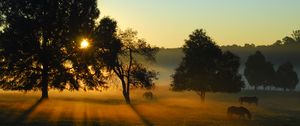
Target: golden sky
[(166, 23)]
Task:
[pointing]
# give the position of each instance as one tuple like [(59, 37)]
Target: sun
[(84, 44)]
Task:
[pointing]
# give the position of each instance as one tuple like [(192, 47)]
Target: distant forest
[(281, 51), (170, 57)]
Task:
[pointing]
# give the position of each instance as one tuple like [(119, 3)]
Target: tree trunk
[(44, 60), (125, 92), (127, 95), (127, 98), (124, 77), (202, 95), (44, 82), (255, 87)]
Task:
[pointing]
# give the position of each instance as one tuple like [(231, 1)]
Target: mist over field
[(166, 109), (169, 59)]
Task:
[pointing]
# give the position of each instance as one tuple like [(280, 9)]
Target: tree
[(258, 71), (228, 78), (247, 45), (39, 46), (296, 36), (269, 77), (294, 39), (277, 43), (121, 52), (288, 40), (205, 68), (287, 77)]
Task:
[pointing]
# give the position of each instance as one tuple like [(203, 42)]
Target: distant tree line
[(292, 40), (260, 72)]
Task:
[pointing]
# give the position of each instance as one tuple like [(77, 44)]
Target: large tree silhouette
[(205, 68), (39, 46), (258, 71), (121, 52), (286, 76)]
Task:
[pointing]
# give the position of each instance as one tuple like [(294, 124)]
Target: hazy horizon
[(166, 23)]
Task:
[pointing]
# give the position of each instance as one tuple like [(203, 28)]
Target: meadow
[(107, 108)]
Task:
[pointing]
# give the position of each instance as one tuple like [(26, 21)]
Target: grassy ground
[(167, 109)]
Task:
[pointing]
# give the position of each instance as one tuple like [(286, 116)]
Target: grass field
[(166, 109)]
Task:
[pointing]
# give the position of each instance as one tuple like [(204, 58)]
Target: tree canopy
[(287, 78), (205, 68), (120, 52), (258, 71), (289, 40), (39, 46)]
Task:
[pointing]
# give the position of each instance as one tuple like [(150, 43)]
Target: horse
[(239, 111), (148, 95), (248, 100)]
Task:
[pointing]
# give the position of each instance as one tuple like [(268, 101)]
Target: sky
[(167, 23)]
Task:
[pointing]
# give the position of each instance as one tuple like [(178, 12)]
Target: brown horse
[(239, 111), (248, 100)]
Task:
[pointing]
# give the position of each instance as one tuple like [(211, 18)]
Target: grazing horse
[(248, 100), (148, 95), (239, 111)]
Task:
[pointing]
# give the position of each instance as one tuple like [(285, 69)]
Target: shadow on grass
[(145, 121), (20, 120), (96, 101)]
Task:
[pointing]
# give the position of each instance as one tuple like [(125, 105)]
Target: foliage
[(228, 79), (289, 40), (287, 78), (121, 50), (206, 68), (258, 71), (39, 46)]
